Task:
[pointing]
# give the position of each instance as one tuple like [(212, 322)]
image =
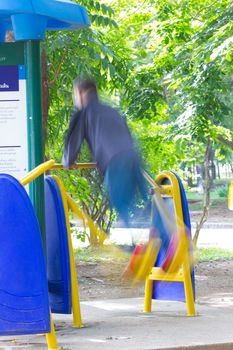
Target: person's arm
[(74, 139)]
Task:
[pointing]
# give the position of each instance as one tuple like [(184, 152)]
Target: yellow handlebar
[(39, 170), (75, 166), (51, 165)]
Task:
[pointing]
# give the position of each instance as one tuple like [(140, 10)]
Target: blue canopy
[(29, 19)]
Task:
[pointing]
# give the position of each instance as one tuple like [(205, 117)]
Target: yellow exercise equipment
[(180, 268)]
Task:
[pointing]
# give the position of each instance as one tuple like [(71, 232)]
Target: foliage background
[(168, 66)]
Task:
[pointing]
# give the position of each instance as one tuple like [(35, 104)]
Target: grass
[(226, 181), (219, 186), (105, 254), (215, 202), (110, 254), (218, 195), (196, 207), (213, 254), (193, 195)]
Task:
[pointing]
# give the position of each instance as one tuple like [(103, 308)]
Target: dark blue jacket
[(105, 131)]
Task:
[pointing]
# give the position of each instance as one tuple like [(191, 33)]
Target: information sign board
[(13, 117)]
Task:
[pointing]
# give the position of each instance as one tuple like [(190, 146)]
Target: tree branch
[(206, 7), (225, 141), (59, 68)]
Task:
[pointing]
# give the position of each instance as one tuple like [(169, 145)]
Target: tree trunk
[(226, 142), (212, 165), (190, 177), (45, 92), (218, 170), (199, 179), (206, 196)]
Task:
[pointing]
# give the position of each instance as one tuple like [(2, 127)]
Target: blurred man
[(111, 145)]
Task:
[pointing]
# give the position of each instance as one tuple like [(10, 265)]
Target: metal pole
[(35, 131)]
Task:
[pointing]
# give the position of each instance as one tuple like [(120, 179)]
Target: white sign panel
[(13, 121)]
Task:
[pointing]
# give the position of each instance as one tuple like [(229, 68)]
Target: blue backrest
[(58, 261), (24, 304), (164, 290)]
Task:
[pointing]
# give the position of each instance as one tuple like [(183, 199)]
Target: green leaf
[(112, 70), (104, 8), (104, 63), (106, 21), (114, 24), (98, 6), (228, 57), (110, 57), (99, 20), (102, 55)]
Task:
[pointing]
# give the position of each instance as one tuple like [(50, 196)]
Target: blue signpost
[(20, 83)]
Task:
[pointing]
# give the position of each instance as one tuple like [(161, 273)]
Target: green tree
[(184, 82), (94, 52), (167, 65)]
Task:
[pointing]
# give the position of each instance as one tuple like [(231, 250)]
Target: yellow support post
[(74, 281), (51, 337), (230, 197), (188, 288), (148, 295)]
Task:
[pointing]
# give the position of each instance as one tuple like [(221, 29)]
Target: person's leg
[(140, 180), (123, 179), (120, 185)]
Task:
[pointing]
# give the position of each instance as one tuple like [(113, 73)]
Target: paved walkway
[(121, 324), (212, 235)]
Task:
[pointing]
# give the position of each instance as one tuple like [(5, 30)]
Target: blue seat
[(58, 260), (24, 304), (164, 290)]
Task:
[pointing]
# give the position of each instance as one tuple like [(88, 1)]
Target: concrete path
[(220, 237), (211, 236), (121, 324)]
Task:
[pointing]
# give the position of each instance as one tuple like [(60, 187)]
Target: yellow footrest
[(158, 274)]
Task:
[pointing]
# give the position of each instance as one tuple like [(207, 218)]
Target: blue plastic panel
[(58, 262), (171, 290), (29, 19), (24, 304)]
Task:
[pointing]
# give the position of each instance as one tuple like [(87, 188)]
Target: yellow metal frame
[(32, 175), (51, 165), (230, 196), (38, 171), (85, 217), (76, 166), (67, 203), (181, 262)]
